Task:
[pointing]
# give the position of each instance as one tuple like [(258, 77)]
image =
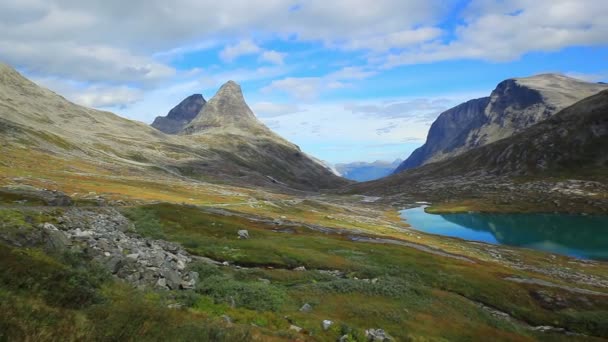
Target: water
[(579, 236)]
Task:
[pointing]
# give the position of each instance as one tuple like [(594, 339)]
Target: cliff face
[(513, 106), (181, 115), (449, 132)]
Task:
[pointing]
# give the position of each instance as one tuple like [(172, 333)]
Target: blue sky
[(347, 80)]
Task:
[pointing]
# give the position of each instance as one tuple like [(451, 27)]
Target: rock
[(161, 283), (327, 324), (300, 269), (133, 256), (265, 281), (173, 279), (295, 328), (181, 115), (108, 237), (113, 264), (344, 338), (175, 306), (377, 335), (188, 285), (56, 240), (243, 234), (306, 308)]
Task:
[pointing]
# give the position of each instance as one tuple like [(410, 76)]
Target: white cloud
[(505, 30), (273, 57), (399, 39), (271, 109), (308, 88), (242, 48), (425, 109), (96, 96)]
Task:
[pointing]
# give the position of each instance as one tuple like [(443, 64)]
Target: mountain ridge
[(514, 105), (53, 125)]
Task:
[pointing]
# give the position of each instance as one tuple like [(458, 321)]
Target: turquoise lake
[(584, 237)]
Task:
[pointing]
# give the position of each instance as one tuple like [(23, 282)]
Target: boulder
[(377, 335), (306, 308), (243, 234), (327, 324)]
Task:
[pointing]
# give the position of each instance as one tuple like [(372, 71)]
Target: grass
[(411, 287), (417, 295)]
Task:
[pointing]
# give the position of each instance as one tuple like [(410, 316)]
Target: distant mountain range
[(513, 106), (363, 171)]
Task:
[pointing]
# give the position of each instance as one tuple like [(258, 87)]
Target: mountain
[(565, 157), (36, 119), (513, 106), (181, 115), (228, 127), (363, 171), (227, 110)]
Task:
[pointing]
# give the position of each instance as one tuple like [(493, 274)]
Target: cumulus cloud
[(273, 57), (308, 88), (96, 96), (505, 30), (242, 48)]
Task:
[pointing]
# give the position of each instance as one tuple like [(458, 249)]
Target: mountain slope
[(36, 119), (513, 106), (181, 115), (227, 126), (572, 143)]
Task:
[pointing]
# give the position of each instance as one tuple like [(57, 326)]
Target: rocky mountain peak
[(514, 105), (181, 115), (226, 110)]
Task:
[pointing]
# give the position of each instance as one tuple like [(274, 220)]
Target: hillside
[(571, 145), (36, 118), (513, 106)]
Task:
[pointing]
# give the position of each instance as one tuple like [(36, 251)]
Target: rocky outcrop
[(109, 238), (181, 115), (448, 132), (513, 106), (24, 194)]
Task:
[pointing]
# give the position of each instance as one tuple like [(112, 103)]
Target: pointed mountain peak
[(226, 110), (232, 90)]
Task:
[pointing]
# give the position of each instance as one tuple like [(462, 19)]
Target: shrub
[(252, 295), (146, 222)]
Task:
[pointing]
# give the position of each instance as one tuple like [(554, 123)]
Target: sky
[(346, 80)]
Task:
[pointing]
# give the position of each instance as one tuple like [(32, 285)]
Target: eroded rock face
[(109, 238), (515, 105), (181, 115)]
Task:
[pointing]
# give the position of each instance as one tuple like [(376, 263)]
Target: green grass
[(413, 287)]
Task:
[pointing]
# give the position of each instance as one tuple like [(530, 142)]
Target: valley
[(224, 231)]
